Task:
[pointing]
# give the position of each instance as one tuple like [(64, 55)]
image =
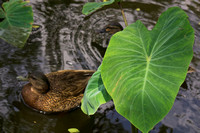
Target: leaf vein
[(161, 77)]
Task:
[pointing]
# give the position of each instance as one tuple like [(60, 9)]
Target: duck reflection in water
[(111, 29)]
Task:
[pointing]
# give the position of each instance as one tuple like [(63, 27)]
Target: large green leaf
[(142, 70), (17, 24), (95, 94), (93, 6)]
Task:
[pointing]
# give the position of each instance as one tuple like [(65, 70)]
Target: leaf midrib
[(144, 85)]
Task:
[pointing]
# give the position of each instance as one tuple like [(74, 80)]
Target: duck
[(56, 91)]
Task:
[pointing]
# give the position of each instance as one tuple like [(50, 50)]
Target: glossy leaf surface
[(142, 70), (95, 94), (93, 6), (17, 22)]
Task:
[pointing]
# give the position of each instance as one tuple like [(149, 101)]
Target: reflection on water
[(27, 120), (69, 40)]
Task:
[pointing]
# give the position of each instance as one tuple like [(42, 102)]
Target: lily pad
[(17, 22), (95, 94), (142, 70)]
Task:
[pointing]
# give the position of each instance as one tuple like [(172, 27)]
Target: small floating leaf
[(95, 94), (138, 9), (73, 130), (35, 26)]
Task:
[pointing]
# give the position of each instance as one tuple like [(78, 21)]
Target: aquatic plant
[(90, 7), (143, 69), (16, 24)]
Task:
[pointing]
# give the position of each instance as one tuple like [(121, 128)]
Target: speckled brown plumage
[(65, 93)]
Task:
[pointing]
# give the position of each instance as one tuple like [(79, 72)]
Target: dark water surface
[(68, 40)]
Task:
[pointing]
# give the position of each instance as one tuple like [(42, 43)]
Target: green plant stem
[(124, 17), (134, 129)]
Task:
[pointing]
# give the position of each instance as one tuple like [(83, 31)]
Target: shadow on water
[(69, 40), (27, 120)]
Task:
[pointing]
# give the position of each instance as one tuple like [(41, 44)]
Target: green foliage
[(95, 94), (93, 6), (73, 130), (17, 22), (142, 70)]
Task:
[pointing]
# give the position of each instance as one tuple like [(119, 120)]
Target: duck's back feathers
[(69, 82)]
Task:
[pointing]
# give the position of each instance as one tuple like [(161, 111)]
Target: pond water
[(69, 40)]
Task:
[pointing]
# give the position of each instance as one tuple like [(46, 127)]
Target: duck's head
[(112, 28), (39, 82)]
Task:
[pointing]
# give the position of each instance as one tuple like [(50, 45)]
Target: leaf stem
[(124, 17)]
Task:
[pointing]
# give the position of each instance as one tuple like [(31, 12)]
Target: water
[(68, 40)]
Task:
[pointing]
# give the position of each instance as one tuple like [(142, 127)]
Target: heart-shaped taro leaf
[(95, 94), (142, 70), (17, 24)]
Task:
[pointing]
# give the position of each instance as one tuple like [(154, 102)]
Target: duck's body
[(57, 91)]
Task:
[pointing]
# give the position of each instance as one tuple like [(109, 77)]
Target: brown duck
[(57, 91)]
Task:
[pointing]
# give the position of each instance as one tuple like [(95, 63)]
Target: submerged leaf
[(95, 94), (17, 24), (142, 70)]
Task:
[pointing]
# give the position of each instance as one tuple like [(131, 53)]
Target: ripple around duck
[(88, 43)]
